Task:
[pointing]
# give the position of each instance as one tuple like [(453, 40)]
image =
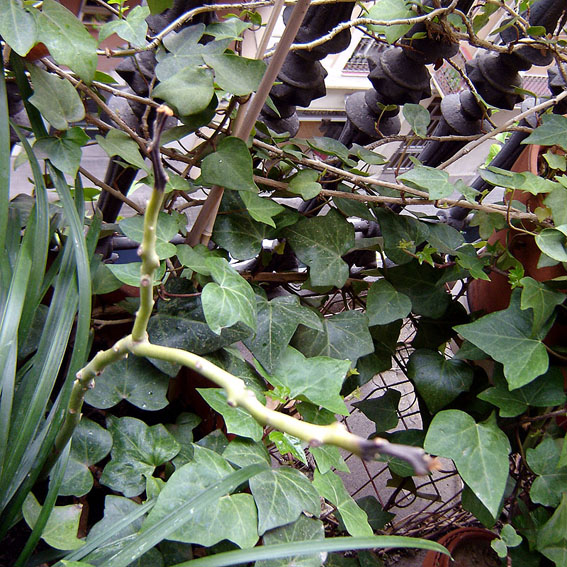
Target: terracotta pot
[(469, 547)]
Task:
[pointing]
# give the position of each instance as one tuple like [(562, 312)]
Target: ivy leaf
[(137, 450), (383, 411), (231, 517), (130, 273), (551, 478), (377, 516), (330, 147), (328, 457), (545, 391), (553, 242), (132, 29), (445, 238), (437, 379), (479, 450), (228, 299), (64, 152), (55, 98), (525, 181), (557, 202), (231, 28), (281, 495), (62, 526), (468, 259), (320, 242), (118, 143), (230, 166), (418, 118), (303, 529), (17, 26), (385, 304), (189, 91), (182, 431), (507, 337), (344, 336), (261, 209), (237, 420), (331, 487), (288, 444), (167, 228), (541, 299), (367, 156), (552, 536), (133, 379), (244, 452), (434, 181), (67, 39), (277, 321), (304, 183), (318, 380), (195, 257), (390, 10), (550, 133), (89, 445), (234, 74)]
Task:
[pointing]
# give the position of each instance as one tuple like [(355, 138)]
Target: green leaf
[(437, 379), (390, 10), (383, 410), (304, 183), (553, 242), (243, 452), (277, 321), (303, 529), (130, 273), (17, 26), (167, 228), (551, 479), (550, 133), (237, 420), (159, 6), (61, 529), (230, 28), (385, 304), (557, 202), (418, 118), (445, 238), (118, 143), (195, 257), (67, 39), (55, 98), (344, 336), (434, 181), (320, 242), (507, 337), (89, 445), (468, 259), (367, 156), (234, 74), (525, 181), (328, 457), (230, 166), (377, 516), (231, 517), (317, 380), (479, 450), (331, 487), (64, 153), (260, 208), (545, 391), (541, 299), (133, 379), (132, 29), (487, 223), (281, 495), (228, 299), (330, 147), (552, 537), (137, 450), (190, 90), (288, 444)]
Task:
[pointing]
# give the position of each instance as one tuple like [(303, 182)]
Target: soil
[(475, 554)]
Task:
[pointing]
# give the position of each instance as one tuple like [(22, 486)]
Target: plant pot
[(469, 547)]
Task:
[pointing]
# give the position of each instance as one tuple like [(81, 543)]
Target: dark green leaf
[(304, 183), (159, 6), (231, 28), (445, 238), (63, 154), (525, 181), (479, 450), (320, 242), (235, 74), (390, 10), (385, 304), (182, 431), (437, 379), (473, 505), (287, 444), (541, 299), (277, 321), (553, 242), (68, 41), (17, 26), (281, 495), (418, 118), (261, 209), (243, 452), (434, 181), (230, 166), (383, 411), (552, 537), (344, 336), (550, 133), (330, 147), (167, 228), (557, 202), (507, 337), (377, 516), (118, 143), (133, 379), (327, 457), (89, 445), (551, 479), (133, 28), (196, 257), (487, 223), (136, 452), (331, 487), (55, 98)]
